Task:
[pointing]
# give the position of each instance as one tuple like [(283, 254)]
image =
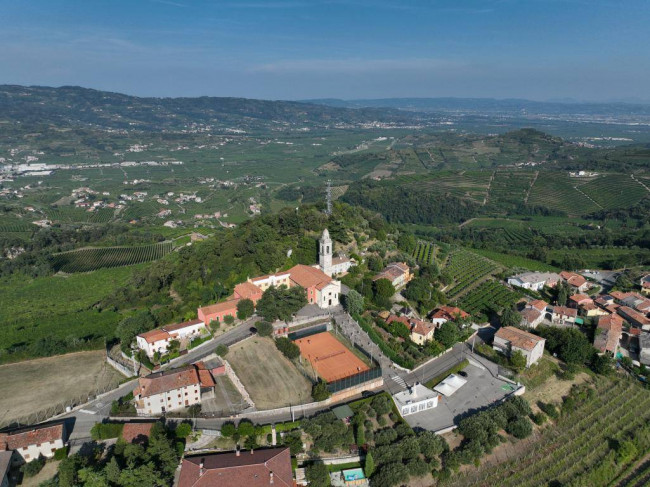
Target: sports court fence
[(354, 380), (305, 332)]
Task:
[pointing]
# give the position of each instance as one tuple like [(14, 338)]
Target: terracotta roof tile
[(32, 435), (306, 276), (136, 431), (160, 382), (518, 338)]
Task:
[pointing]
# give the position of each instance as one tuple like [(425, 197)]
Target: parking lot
[(482, 389)]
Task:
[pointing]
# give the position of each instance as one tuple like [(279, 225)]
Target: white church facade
[(326, 262)]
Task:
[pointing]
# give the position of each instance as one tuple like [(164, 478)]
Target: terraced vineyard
[(556, 190), (86, 260), (425, 253), (510, 186), (578, 451), (72, 215), (615, 191), (467, 269), (489, 296)]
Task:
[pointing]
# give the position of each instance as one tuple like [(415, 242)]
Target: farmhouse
[(257, 468), (534, 280), (158, 340), (576, 281), (509, 339), (561, 315), (608, 334), (30, 442), (161, 392), (398, 273), (415, 399)]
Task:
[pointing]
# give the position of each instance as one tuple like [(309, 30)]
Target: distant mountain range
[(492, 106), (72, 106)]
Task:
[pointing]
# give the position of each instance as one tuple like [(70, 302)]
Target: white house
[(169, 390), (158, 340), (534, 280), (509, 339), (415, 399), (30, 442)]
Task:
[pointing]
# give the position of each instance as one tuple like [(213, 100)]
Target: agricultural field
[(615, 191), (90, 259), (425, 253), (45, 383), (556, 190), (516, 261), (269, 377), (605, 258), (467, 269), (56, 308), (582, 448), (489, 296)]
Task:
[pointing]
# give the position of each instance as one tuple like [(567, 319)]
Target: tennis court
[(329, 357)]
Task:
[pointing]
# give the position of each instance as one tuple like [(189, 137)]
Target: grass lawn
[(539, 373), (48, 382), (269, 377)]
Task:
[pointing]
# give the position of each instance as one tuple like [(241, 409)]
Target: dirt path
[(489, 186), (640, 182), (642, 466), (530, 188)]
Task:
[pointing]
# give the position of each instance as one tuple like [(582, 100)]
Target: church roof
[(326, 235)]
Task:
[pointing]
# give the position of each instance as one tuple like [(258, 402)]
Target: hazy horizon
[(543, 50)]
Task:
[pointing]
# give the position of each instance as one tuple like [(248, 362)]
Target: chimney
[(251, 451), (271, 477), (201, 467), (237, 451)]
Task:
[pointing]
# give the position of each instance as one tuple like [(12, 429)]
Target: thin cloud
[(354, 66)]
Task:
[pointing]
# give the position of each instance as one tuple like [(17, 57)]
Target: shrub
[(549, 409), (104, 431), (229, 320), (520, 427), (319, 391), (183, 430), (61, 453), (539, 418), (264, 328), (228, 429), (32, 468), (287, 347), (222, 350)]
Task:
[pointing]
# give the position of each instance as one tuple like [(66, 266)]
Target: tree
[(183, 430), (246, 428), (281, 303), (517, 360), (375, 263), (319, 391), (245, 309), (228, 320), (447, 334), (383, 288), (317, 475), (354, 303), (228, 429), (287, 347), (264, 328), (222, 350), (520, 427), (510, 317), (369, 465)]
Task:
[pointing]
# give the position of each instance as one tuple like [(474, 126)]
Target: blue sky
[(296, 49)]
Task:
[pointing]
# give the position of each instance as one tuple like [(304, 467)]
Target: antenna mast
[(328, 193)]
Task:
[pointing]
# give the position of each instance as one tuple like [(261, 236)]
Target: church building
[(326, 262)]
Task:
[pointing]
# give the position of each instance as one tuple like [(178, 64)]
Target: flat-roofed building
[(415, 399)]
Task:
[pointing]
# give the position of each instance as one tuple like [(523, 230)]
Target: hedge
[(105, 431), (452, 370)]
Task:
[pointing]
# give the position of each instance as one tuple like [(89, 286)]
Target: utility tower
[(328, 194)]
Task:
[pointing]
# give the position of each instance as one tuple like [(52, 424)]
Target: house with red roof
[(254, 468), (443, 314), (420, 331), (634, 317), (645, 285), (30, 442), (576, 281), (158, 340), (137, 432), (398, 273), (564, 316), (170, 390), (509, 339), (608, 334)]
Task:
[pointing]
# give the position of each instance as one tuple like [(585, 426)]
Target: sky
[(596, 50)]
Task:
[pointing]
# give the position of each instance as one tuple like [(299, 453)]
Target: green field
[(467, 269), (515, 261), (56, 308), (86, 260), (488, 297)]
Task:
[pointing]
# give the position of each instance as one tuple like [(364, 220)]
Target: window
[(422, 406), (405, 411), (414, 409)]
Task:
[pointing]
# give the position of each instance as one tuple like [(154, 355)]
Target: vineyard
[(580, 449), (515, 261), (489, 296), (467, 269), (425, 253), (615, 191), (557, 191), (86, 260), (74, 215)]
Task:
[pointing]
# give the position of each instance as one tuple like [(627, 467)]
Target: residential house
[(576, 300), (30, 442), (509, 339), (531, 317), (645, 285), (562, 315), (443, 314), (578, 283), (633, 300), (169, 390), (219, 311), (398, 273), (534, 281), (420, 331), (633, 317), (608, 334), (158, 340), (257, 468)]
